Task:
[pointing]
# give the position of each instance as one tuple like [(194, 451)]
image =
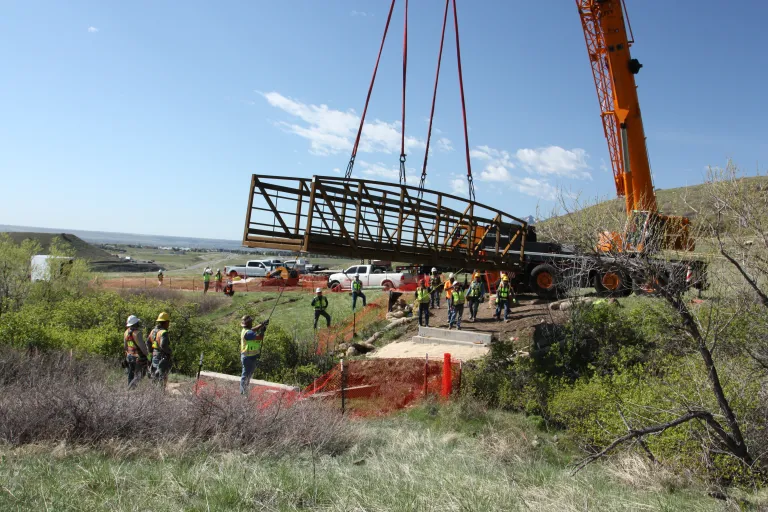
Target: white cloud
[(359, 13), (444, 144), (497, 163), (495, 173), (554, 160), (330, 131), (92, 29), (603, 166), (459, 187), (546, 162), (380, 170), (536, 188), (336, 170)]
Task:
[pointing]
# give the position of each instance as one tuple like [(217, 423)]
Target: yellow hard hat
[(163, 317), (505, 277)]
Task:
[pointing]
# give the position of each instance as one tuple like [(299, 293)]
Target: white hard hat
[(434, 269), (132, 320), (218, 270), (357, 275), (451, 276), (318, 290)]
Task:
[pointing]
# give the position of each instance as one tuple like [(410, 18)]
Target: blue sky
[(149, 117)]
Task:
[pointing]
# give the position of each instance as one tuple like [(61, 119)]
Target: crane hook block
[(634, 66)]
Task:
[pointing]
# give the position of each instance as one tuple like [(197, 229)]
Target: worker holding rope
[(251, 340)]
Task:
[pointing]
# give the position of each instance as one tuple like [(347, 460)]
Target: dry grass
[(55, 398)]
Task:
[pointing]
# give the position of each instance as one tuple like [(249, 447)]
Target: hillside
[(693, 202), (82, 248), (98, 259)]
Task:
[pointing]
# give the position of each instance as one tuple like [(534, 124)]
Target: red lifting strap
[(368, 98), (405, 69), (463, 105), (434, 98)]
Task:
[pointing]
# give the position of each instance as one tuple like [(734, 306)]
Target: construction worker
[(357, 291), (458, 299), (135, 350), (448, 286), (320, 304), (475, 295), (161, 348), (434, 285), (160, 278), (251, 339), (206, 279), (423, 297), (505, 295), (218, 278)]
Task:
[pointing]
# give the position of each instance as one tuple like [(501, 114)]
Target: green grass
[(409, 462), (294, 313)]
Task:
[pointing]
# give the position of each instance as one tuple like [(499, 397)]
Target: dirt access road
[(530, 313)]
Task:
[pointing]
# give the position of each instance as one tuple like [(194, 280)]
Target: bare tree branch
[(633, 434)]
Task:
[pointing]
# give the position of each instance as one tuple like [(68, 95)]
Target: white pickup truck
[(371, 276), (254, 268)]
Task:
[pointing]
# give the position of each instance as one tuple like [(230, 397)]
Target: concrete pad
[(254, 382), (441, 341), (410, 349), (456, 335)]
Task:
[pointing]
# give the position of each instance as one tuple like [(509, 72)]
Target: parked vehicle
[(300, 265), (254, 268), (371, 276)]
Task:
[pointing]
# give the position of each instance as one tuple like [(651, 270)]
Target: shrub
[(81, 399)]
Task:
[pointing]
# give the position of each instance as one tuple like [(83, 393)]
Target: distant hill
[(98, 259), (103, 237), (82, 248)]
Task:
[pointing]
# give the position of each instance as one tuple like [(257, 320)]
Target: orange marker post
[(447, 384)]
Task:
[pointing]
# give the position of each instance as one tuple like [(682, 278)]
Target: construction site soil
[(524, 318)]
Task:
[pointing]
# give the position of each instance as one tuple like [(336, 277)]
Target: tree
[(729, 202), (15, 271)]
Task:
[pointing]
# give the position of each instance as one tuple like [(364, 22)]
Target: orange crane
[(614, 70)]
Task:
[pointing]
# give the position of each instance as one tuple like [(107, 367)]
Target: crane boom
[(614, 71)]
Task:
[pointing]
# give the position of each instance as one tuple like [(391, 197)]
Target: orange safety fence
[(329, 339), (375, 387), (196, 284), (380, 386)]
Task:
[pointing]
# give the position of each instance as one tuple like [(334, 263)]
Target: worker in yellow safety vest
[(458, 299), (475, 295), (135, 350), (357, 291), (423, 297), (218, 278), (161, 348), (320, 304), (251, 339), (505, 296)]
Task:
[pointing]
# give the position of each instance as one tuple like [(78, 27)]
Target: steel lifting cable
[(463, 105), (405, 69), (351, 164), (434, 98)]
